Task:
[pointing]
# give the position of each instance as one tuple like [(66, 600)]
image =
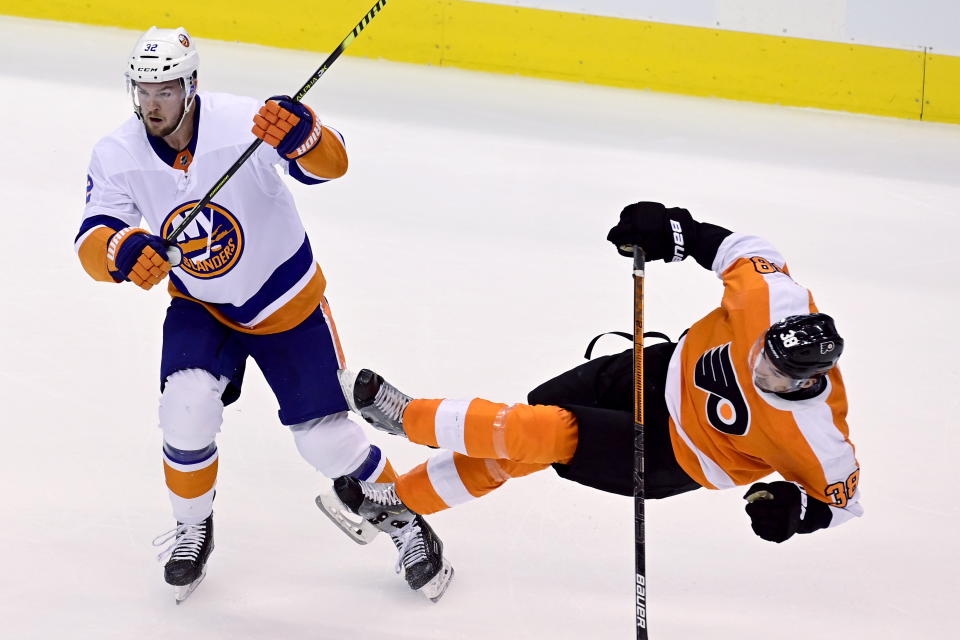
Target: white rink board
[(883, 23), (466, 256)]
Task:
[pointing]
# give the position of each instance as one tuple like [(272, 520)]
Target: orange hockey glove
[(291, 127), (137, 256)]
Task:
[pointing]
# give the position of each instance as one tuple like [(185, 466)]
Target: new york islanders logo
[(726, 408), (211, 244)]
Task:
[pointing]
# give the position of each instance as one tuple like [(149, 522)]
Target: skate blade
[(356, 528), (182, 593), (437, 586)]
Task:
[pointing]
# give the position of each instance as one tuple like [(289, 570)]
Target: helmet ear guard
[(803, 346)]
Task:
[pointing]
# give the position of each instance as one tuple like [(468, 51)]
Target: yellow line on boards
[(566, 46)]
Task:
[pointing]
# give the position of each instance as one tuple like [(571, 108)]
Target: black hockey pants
[(600, 394)]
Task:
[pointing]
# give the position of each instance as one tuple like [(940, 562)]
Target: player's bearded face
[(161, 106)]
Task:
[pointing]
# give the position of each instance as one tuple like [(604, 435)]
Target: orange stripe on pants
[(418, 421), (416, 491), (480, 476)]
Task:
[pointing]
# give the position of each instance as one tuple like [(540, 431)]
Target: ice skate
[(356, 528), (420, 551), (189, 547), (376, 400)]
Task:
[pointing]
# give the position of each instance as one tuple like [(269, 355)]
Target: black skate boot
[(420, 549), (190, 546), (376, 400)]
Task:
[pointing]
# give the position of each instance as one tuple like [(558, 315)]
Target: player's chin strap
[(188, 103), (189, 98)]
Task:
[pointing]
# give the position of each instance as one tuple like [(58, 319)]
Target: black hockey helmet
[(803, 346)]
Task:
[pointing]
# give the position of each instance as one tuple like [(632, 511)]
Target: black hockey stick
[(174, 254), (640, 545)]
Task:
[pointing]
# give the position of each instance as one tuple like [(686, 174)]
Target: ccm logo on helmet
[(678, 251), (148, 69)]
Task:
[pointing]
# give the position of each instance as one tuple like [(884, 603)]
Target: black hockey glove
[(663, 234), (780, 509)]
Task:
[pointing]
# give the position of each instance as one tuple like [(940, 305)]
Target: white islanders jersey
[(246, 255)]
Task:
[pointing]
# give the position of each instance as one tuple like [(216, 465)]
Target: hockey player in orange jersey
[(750, 389)]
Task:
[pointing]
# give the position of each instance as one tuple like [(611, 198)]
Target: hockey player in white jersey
[(247, 286)]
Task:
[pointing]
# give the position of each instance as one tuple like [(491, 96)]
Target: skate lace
[(391, 401), (384, 493), (183, 542), (411, 545)]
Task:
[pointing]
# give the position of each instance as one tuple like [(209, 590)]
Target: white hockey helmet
[(161, 55)]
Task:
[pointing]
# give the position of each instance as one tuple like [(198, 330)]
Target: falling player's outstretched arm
[(110, 246), (314, 152), (668, 234)]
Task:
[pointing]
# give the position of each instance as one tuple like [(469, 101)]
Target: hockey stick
[(639, 540), (174, 254)]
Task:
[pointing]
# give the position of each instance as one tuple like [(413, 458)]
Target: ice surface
[(465, 254)]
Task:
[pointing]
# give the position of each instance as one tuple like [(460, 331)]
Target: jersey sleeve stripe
[(787, 298), (304, 177), (738, 245), (92, 251), (99, 221), (851, 511)]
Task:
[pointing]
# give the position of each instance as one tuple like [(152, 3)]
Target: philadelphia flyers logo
[(211, 244), (726, 409)]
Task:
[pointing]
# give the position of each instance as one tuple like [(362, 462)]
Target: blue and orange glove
[(290, 127), (137, 256)]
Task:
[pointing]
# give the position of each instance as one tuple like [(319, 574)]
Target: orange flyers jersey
[(725, 431)]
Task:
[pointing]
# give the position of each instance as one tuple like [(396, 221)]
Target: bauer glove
[(780, 509), (663, 234), (290, 127), (137, 256)]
